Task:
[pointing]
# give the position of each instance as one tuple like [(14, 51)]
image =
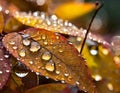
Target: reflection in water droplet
[(46, 56), (57, 37), (21, 75), (22, 53), (45, 42), (6, 56), (37, 73), (97, 77), (110, 86), (50, 66), (34, 47), (93, 52), (62, 81), (26, 42), (21, 70)]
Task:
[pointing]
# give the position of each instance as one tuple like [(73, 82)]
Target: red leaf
[(5, 66), (50, 54)]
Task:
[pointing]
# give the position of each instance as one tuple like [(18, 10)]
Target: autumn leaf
[(72, 10), (50, 54), (5, 66), (103, 67), (51, 88), (54, 24), (1, 22)]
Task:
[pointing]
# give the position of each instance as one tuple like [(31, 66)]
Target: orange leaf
[(73, 10), (54, 24), (50, 88), (50, 54), (1, 22)]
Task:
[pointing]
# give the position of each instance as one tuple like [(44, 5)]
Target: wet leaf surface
[(70, 10), (54, 24), (51, 88), (5, 66), (1, 22), (50, 54), (103, 67)]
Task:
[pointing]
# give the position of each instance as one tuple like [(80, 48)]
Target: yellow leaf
[(73, 10)]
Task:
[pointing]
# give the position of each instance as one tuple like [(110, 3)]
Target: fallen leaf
[(54, 24), (73, 10), (50, 54), (51, 88)]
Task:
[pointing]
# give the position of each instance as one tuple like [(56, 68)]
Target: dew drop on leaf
[(22, 53), (46, 56), (50, 66), (26, 42), (34, 47)]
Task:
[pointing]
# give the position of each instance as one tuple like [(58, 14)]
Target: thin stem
[(38, 80), (98, 7)]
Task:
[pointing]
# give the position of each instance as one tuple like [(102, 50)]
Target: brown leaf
[(50, 54), (51, 88), (1, 22)]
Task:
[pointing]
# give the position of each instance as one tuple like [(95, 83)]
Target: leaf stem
[(98, 7)]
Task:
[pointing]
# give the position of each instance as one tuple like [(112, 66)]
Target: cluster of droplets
[(53, 23)]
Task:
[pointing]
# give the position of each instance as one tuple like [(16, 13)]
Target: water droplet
[(1, 72), (66, 74), (93, 51), (46, 56), (50, 66), (43, 37), (45, 42), (26, 42), (21, 70), (47, 77), (1, 59), (11, 42), (34, 47), (60, 50), (57, 72), (25, 35), (97, 77), (22, 53), (31, 62), (110, 86), (77, 82), (7, 71), (37, 73), (14, 47), (57, 37), (6, 56), (62, 81)]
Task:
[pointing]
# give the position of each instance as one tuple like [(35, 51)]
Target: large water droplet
[(46, 56), (22, 53), (21, 70), (50, 66), (26, 42), (34, 47)]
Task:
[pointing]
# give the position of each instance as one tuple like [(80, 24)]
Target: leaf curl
[(50, 54)]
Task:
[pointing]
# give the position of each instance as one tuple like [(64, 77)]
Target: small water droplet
[(77, 83), (1, 72), (22, 53), (14, 47), (60, 50), (11, 42), (50, 66), (6, 56), (7, 71), (46, 56), (26, 42), (25, 35), (34, 47), (57, 37), (62, 81), (45, 42), (43, 37), (66, 74), (47, 77), (1, 59), (31, 62), (37, 73), (57, 72), (110, 86)]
